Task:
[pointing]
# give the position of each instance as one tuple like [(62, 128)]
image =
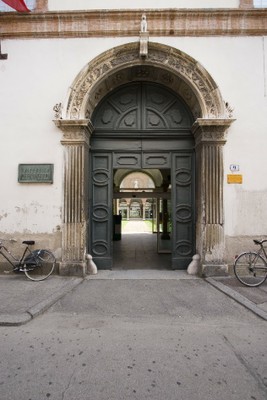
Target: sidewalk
[(254, 299), (22, 300)]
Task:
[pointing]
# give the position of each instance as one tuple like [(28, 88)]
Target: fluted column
[(76, 137), (210, 137)]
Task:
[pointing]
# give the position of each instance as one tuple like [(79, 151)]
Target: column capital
[(208, 131), (75, 131)]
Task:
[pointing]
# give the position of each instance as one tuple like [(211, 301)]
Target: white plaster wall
[(37, 75), (238, 66), (55, 5)]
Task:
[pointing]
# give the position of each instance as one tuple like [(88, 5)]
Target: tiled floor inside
[(137, 249)]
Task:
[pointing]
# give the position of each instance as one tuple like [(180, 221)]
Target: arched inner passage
[(144, 238)]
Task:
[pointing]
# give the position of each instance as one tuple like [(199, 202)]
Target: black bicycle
[(37, 265), (250, 267)]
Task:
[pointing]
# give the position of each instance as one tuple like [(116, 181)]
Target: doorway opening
[(162, 112), (142, 230), (145, 128)]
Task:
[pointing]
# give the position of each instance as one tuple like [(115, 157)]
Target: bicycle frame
[(262, 251), (15, 262)]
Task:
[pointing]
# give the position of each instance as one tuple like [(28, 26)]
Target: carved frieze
[(75, 132), (211, 130), (108, 71)]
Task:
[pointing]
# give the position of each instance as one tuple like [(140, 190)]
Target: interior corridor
[(137, 249)]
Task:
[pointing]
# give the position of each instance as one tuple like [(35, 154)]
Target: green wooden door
[(183, 215), (138, 126)]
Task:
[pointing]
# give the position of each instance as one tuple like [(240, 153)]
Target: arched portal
[(192, 83), (144, 126)]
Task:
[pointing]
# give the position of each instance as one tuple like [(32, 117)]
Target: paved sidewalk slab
[(22, 300), (254, 299)]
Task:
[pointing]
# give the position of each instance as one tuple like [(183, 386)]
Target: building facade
[(176, 90)]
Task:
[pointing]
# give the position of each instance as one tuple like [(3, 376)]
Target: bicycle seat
[(259, 242), (29, 242)]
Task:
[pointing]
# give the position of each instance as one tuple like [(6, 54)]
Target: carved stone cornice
[(162, 22), (211, 131), (75, 131), (163, 64)]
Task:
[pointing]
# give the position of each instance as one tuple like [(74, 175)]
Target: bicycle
[(37, 265), (250, 268)]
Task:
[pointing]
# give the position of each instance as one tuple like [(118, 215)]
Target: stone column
[(76, 138), (210, 137)]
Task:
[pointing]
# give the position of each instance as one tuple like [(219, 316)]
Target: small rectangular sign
[(35, 173), (235, 178)]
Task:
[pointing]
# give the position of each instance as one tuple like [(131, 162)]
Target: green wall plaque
[(36, 173)]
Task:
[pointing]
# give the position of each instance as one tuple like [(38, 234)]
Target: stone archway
[(184, 75)]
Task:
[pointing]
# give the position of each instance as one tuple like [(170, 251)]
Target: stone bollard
[(193, 267), (91, 267)]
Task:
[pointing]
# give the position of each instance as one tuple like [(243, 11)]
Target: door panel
[(101, 217), (156, 160), (183, 210), (164, 226), (127, 160), (142, 106)]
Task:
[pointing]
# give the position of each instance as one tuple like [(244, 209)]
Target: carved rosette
[(163, 64)]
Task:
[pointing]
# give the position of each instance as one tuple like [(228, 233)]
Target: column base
[(214, 270), (73, 268)]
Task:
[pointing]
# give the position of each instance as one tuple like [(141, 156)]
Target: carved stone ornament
[(193, 81), (211, 130), (75, 131), (229, 109), (58, 110), (144, 35), (143, 23)]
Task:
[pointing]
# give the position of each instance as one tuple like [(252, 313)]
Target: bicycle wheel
[(250, 269), (42, 267)]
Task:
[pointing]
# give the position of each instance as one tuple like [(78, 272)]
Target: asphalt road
[(137, 339)]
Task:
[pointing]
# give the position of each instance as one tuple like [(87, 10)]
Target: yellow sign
[(235, 178)]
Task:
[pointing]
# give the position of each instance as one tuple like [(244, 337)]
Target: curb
[(39, 308), (238, 297)]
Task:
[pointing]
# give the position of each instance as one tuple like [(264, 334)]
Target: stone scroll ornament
[(18, 5)]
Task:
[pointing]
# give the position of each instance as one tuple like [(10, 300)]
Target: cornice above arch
[(164, 64)]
